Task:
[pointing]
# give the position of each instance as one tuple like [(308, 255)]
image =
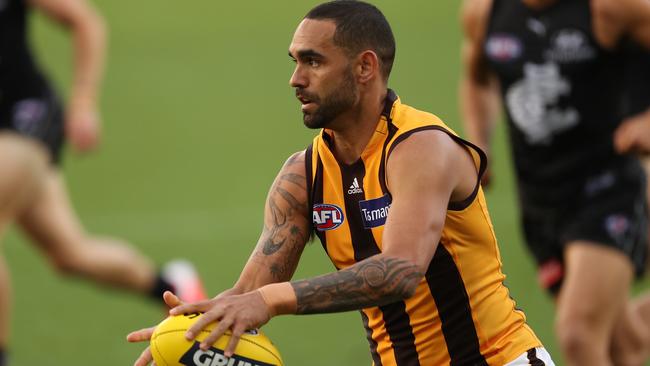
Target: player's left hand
[(235, 312), (144, 335), (83, 125), (633, 135)]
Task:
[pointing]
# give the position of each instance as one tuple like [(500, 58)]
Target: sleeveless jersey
[(19, 76), (637, 79), (461, 313), (562, 94)]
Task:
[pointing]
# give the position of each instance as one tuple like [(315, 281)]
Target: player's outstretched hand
[(633, 135), (235, 312), (144, 335), (83, 125)]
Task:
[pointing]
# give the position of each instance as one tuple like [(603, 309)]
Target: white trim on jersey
[(535, 356)]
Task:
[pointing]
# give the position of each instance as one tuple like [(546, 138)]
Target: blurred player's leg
[(53, 225), (645, 161), (635, 327), (56, 229), (594, 295), (631, 337), (23, 165), (642, 307), (5, 308)]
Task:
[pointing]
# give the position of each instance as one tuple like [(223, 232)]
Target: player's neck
[(538, 4), (357, 127)]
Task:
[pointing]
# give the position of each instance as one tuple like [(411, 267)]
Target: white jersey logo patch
[(532, 103), (570, 46), (355, 188)]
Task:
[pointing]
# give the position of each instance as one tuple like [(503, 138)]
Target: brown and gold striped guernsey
[(461, 313)]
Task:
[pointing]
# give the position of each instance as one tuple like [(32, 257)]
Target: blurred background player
[(559, 68), (33, 193)]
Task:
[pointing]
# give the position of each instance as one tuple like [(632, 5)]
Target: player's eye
[(313, 62)]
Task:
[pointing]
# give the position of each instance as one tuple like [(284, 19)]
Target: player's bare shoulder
[(290, 185), (617, 19), (474, 15), (295, 171), (608, 22), (296, 160), (430, 156)]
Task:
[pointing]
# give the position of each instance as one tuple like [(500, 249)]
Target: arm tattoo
[(375, 281), (283, 226), (283, 206)]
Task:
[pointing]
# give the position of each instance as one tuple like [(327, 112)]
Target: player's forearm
[(89, 36), (479, 110), (263, 269), (375, 281)]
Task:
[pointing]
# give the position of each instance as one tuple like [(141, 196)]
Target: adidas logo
[(354, 188)]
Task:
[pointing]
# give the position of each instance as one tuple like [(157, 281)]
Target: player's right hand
[(144, 335), (633, 135), (83, 124)]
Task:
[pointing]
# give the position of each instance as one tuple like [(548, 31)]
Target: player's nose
[(298, 79)]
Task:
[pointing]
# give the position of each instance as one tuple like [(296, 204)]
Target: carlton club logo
[(327, 217)]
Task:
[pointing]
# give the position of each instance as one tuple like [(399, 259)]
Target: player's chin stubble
[(333, 104)]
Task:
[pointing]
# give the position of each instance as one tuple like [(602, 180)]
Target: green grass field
[(198, 119)]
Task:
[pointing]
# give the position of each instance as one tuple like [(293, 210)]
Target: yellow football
[(170, 348)]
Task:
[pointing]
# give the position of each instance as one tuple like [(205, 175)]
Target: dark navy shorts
[(39, 117), (609, 208)]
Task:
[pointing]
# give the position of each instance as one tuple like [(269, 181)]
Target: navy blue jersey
[(562, 94), (19, 75), (637, 79)]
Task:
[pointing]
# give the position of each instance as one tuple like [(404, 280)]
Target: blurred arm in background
[(83, 123), (479, 90), (630, 19)]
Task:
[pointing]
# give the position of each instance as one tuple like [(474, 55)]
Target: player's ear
[(368, 66)]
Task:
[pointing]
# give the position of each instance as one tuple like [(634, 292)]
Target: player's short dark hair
[(359, 26)]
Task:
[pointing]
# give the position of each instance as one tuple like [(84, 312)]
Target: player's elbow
[(411, 286), (402, 277), (95, 25), (86, 23)]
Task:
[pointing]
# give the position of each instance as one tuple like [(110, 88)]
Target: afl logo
[(327, 217), (502, 47)]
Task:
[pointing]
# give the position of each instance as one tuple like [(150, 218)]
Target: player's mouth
[(306, 102)]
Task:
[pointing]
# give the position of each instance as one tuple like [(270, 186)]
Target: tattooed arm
[(285, 233), (286, 229), (377, 280)]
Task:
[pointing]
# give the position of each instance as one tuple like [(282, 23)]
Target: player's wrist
[(84, 94), (280, 298)]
